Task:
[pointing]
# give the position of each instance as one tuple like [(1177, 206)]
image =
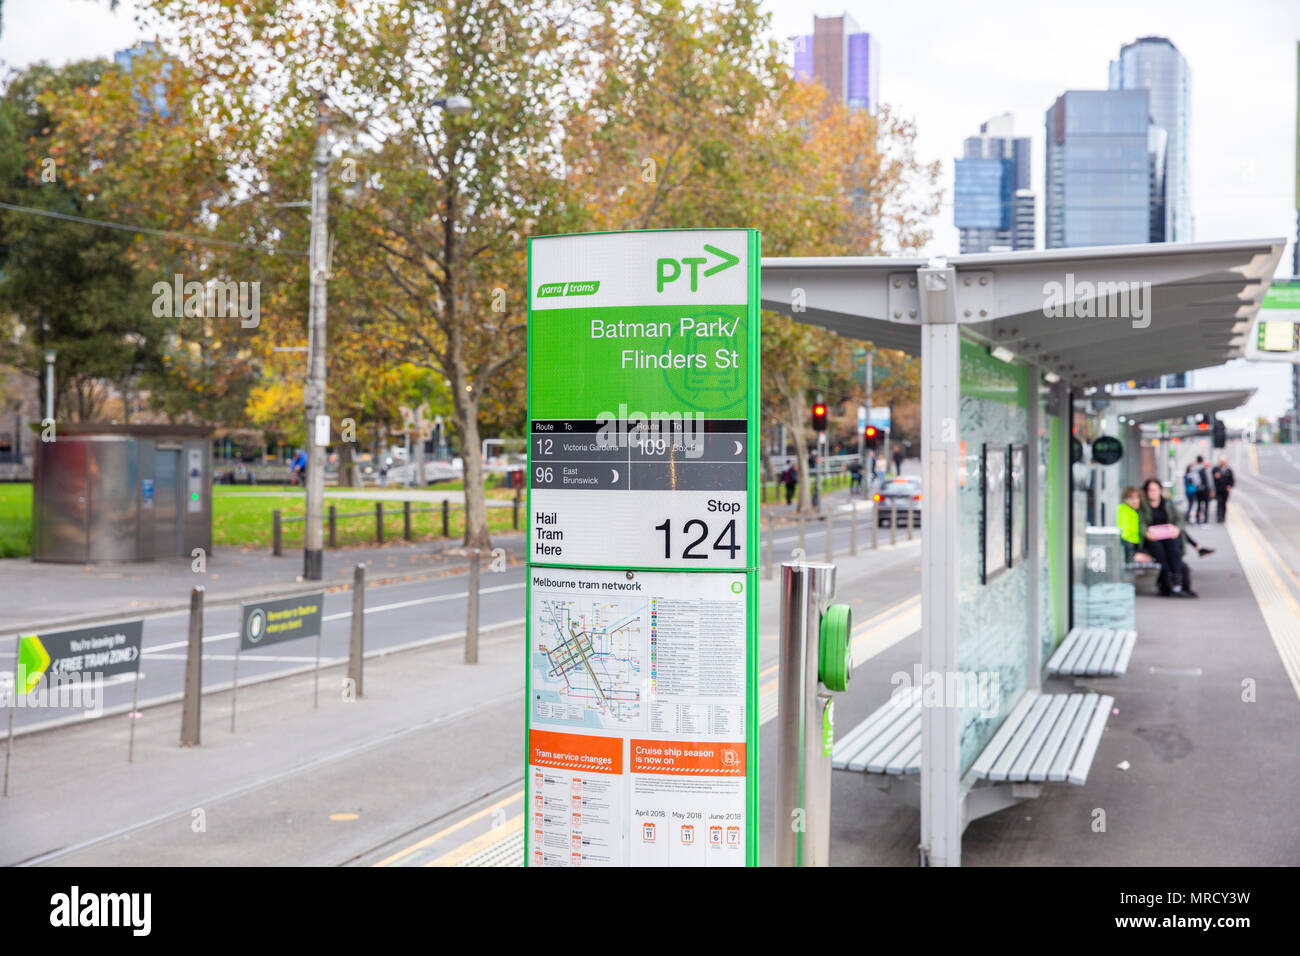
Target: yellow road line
[(1283, 626), (480, 842), (451, 829), (451, 858)]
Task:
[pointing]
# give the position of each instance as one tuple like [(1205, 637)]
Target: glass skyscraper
[(992, 203), (843, 59), (1103, 169), (1155, 64)]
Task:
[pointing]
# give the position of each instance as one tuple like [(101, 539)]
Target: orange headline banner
[(575, 752), (698, 758)]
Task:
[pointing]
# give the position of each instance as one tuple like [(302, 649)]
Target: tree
[(695, 118), (432, 238), (65, 285)]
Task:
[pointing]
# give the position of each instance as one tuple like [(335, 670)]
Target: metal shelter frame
[(1076, 318)]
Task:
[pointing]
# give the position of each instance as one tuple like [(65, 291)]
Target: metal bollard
[(830, 534), (893, 521), (446, 518), (911, 516), (379, 522), (875, 523), (275, 533), (191, 706), (814, 658), (406, 520), (515, 516), (471, 616), (853, 527), (334, 527), (357, 639)]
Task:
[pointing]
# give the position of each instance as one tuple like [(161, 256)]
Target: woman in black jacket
[(1158, 509)]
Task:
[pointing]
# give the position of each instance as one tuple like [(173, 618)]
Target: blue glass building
[(1102, 169), (992, 203), (1154, 64)]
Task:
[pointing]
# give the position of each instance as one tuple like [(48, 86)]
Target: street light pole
[(313, 393)]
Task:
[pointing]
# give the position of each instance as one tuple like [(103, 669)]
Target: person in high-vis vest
[(1130, 525)]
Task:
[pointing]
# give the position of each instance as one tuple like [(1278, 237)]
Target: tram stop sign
[(642, 658), (1107, 450)]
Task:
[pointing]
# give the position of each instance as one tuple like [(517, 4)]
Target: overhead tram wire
[(146, 230)]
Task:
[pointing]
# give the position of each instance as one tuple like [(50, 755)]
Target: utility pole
[(313, 393)]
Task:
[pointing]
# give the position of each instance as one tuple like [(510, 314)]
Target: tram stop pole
[(815, 660)]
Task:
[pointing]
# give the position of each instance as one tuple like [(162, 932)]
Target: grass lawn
[(245, 522), (15, 520)]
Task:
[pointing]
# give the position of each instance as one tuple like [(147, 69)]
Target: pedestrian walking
[(1191, 488), (855, 476), (1223, 482), (1204, 492), (790, 478), (898, 459)]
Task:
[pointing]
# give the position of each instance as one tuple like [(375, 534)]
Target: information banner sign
[(1275, 334), (643, 358)]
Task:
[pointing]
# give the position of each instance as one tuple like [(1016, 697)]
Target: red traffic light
[(819, 410), (871, 431)]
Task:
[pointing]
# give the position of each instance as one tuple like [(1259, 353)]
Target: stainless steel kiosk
[(122, 493)]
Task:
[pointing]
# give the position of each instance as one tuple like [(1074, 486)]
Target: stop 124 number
[(694, 537)]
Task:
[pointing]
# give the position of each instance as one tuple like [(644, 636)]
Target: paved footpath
[(433, 741)]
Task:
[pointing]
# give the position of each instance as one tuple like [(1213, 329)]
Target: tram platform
[(1196, 766)]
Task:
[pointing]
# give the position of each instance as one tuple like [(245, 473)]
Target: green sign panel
[(642, 716), (282, 619)]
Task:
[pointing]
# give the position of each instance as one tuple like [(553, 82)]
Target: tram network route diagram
[(587, 660)]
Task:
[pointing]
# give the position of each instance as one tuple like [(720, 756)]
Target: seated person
[(1127, 518)]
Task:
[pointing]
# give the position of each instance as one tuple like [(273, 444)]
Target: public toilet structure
[(1008, 342), (122, 493)]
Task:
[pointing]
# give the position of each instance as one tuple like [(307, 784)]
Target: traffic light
[(1220, 434), (819, 417), (872, 436)]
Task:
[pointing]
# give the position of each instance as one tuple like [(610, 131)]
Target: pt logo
[(670, 270)]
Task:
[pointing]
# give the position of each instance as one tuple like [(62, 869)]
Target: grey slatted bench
[(1047, 738), (1148, 571), (889, 741), (1093, 652)]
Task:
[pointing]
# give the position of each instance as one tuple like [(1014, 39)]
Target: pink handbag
[(1162, 532)]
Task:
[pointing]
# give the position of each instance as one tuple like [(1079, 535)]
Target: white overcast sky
[(949, 64)]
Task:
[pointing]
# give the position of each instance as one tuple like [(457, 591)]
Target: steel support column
[(941, 817)]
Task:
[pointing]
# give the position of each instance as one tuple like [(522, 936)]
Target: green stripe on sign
[(33, 659)]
